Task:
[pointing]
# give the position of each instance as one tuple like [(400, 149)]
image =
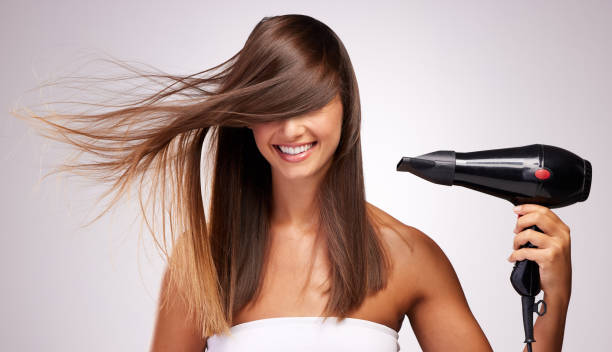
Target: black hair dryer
[(537, 174)]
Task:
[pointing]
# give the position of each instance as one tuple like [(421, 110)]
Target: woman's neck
[(294, 203)]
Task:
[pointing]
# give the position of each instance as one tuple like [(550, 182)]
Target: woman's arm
[(173, 332), (440, 316)]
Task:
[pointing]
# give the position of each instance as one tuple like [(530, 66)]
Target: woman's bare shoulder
[(414, 254), (399, 236)]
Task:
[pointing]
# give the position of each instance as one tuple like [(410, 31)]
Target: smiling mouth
[(293, 150)]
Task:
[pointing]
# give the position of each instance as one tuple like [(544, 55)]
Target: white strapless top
[(306, 334)]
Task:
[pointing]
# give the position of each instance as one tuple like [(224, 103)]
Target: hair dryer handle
[(525, 277)]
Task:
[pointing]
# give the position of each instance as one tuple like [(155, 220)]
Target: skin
[(423, 284)]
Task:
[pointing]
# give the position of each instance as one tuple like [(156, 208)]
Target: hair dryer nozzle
[(437, 167)]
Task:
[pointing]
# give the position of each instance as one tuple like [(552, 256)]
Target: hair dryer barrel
[(537, 173)]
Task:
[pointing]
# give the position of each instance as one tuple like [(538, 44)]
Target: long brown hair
[(290, 65)]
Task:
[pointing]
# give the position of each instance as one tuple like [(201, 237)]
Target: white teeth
[(293, 151)]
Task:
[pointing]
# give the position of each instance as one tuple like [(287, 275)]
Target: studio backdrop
[(432, 75)]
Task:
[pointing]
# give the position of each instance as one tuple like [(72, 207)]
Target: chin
[(296, 175)]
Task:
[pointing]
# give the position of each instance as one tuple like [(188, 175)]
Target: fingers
[(536, 238), (552, 242), (537, 255), (544, 218)]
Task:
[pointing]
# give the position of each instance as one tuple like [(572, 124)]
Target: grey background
[(433, 75)]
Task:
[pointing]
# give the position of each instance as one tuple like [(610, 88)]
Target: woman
[(290, 238)]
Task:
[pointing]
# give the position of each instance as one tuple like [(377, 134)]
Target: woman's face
[(303, 145)]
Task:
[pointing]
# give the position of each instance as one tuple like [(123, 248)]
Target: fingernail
[(517, 208)]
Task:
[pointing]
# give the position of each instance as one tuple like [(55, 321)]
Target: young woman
[(288, 238)]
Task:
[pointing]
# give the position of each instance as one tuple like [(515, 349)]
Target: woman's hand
[(553, 254)]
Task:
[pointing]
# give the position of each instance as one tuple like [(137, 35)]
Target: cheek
[(335, 133), (261, 135)]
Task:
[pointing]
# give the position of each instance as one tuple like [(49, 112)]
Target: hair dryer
[(537, 174)]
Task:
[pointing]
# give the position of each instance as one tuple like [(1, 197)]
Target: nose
[(292, 127)]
